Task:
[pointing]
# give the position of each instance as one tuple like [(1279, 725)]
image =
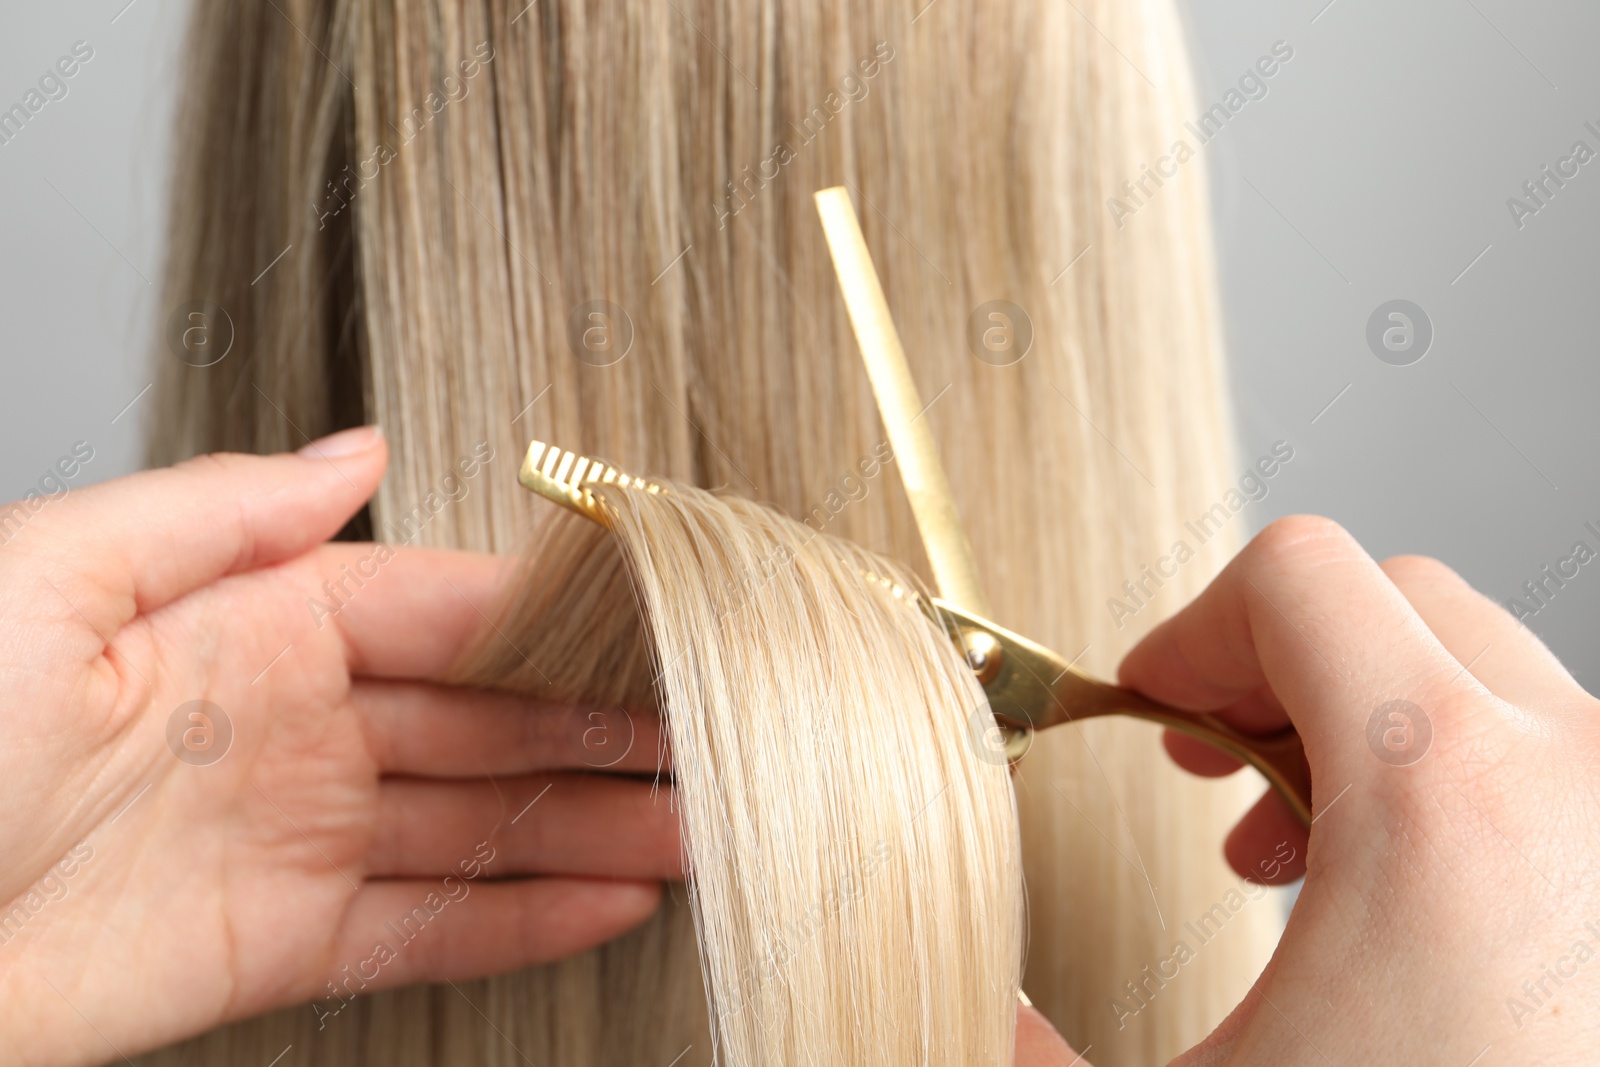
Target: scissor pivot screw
[(983, 654)]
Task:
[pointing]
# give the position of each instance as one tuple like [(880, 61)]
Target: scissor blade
[(933, 505)]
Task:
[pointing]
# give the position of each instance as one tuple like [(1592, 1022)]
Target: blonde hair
[(855, 871), (654, 164)]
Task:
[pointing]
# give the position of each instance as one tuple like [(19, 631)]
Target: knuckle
[(216, 462), (542, 730), (1303, 537), (239, 525), (1461, 712), (1471, 731)]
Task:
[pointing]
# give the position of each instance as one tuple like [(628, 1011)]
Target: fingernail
[(344, 443)]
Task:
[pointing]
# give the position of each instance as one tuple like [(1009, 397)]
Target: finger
[(1268, 846), (1501, 652), (399, 933), (574, 824), (1258, 713), (1197, 757), (445, 732), (1038, 1044), (405, 612), (1306, 613), (152, 537)]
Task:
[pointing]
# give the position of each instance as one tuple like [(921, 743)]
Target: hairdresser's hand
[(362, 828), (1452, 880)]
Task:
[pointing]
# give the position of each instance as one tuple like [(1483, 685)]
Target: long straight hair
[(591, 223)]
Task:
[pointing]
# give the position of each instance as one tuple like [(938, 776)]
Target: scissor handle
[(1280, 756), (1031, 688)]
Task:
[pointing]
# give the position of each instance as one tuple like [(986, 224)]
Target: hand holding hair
[(171, 866), (1449, 904)]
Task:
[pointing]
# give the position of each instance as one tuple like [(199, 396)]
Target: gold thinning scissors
[(1028, 686)]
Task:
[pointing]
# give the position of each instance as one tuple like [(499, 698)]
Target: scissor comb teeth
[(567, 478)]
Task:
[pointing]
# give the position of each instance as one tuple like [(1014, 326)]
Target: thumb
[(1038, 1044), (158, 535)]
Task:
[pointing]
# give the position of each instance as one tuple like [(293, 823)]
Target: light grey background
[(1377, 167), (82, 195)]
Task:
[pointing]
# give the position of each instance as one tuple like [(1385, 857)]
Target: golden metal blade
[(944, 540)]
